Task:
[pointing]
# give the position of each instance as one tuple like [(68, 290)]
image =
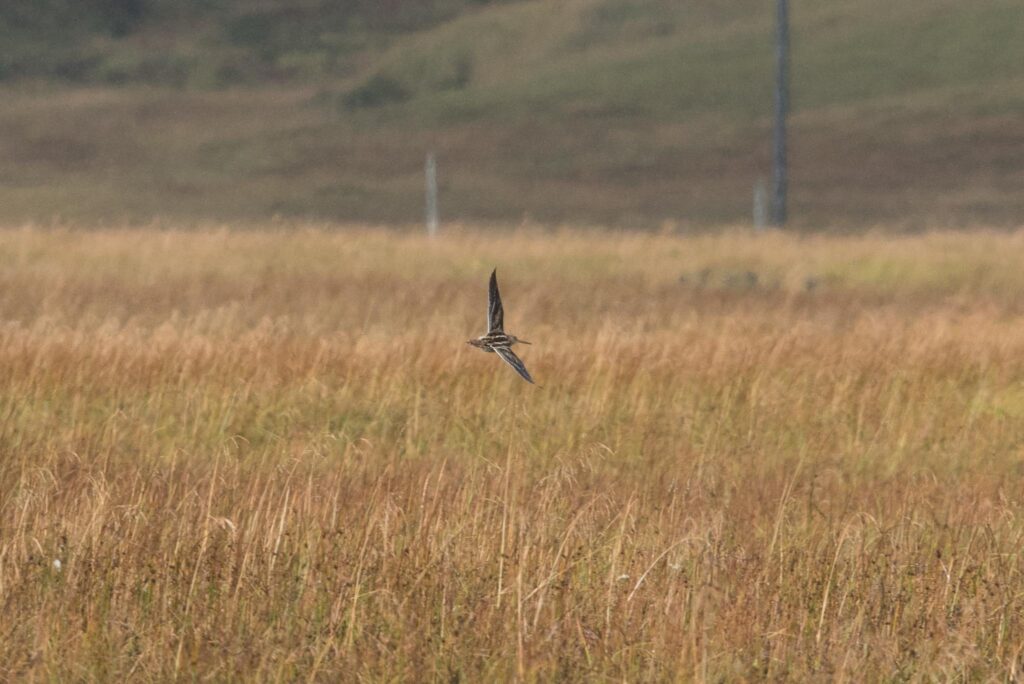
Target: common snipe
[(497, 340)]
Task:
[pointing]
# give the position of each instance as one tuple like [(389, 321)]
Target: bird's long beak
[(523, 341)]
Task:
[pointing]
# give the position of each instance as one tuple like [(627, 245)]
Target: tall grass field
[(269, 454)]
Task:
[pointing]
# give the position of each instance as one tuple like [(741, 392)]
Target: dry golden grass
[(269, 454)]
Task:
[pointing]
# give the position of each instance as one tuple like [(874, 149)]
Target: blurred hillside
[(627, 112)]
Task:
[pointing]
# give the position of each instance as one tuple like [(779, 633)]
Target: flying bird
[(497, 340)]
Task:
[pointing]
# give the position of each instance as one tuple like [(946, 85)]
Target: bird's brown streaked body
[(497, 340)]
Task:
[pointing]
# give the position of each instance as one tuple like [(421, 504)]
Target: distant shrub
[(251, 29), (461, 73), (158, 68), (121, 16), (75, 69), (377, 91)]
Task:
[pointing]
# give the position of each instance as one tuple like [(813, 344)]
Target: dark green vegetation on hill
[(628, 112)]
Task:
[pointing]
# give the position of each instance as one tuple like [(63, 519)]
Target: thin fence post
[(760, 205), (431, 173)]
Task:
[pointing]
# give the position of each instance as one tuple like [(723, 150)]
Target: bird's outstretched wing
[(495, 312), (509, 357)]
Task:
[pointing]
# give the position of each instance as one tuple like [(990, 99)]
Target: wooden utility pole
[(781, 109)]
